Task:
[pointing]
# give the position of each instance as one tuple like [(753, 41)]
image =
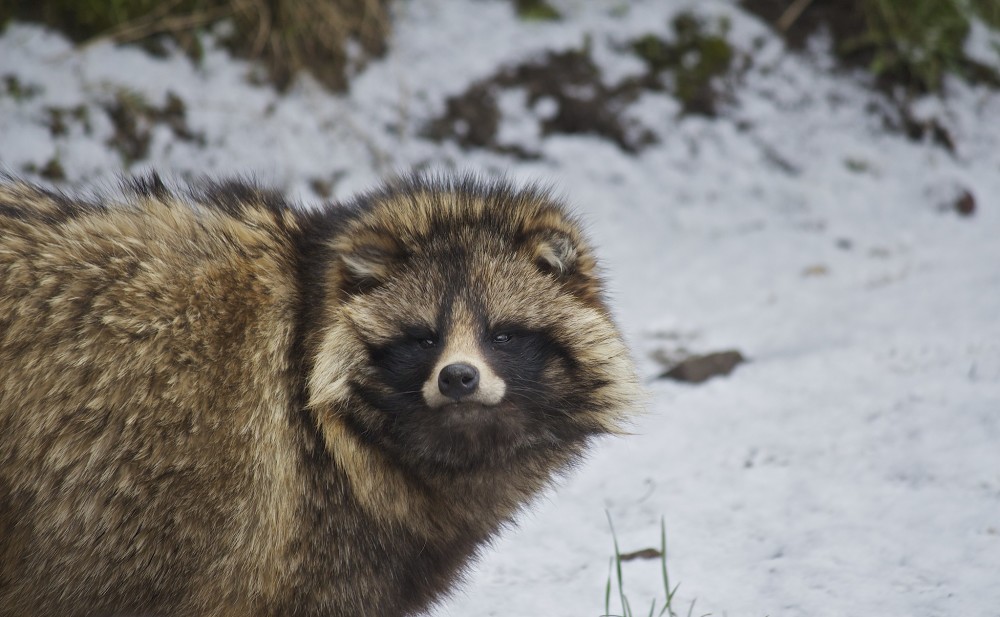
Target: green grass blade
[(691, 608), (626, 611), (607, 590), (663, 567)]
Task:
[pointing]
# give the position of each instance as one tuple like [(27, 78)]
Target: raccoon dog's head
[(469, 327)]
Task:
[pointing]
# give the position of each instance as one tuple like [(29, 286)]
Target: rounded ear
[(558, 250), (555, 252), (368, 257)]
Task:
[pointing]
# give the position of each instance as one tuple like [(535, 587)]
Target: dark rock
[(965, 205), (697, 369), (646, 553)]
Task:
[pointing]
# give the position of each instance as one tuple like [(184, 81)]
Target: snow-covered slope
[(851, 467)]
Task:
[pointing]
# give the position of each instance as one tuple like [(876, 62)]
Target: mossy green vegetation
[(13, 87), (285, 35), (988, 11), (908, 45), (536, 10), (695, 56), (83, 19), (917, 42)]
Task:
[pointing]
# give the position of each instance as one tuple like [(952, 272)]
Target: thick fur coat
[(212, 403)]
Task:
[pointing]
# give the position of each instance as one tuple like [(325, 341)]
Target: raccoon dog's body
[(215, 404)]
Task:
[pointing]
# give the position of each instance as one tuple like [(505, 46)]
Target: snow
[(851, 467)]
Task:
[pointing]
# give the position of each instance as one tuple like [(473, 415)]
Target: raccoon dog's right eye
[(421, 336)]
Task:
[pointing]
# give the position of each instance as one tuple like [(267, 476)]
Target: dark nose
[(458, 380)]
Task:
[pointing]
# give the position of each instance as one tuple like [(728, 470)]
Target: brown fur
[(194, 419)]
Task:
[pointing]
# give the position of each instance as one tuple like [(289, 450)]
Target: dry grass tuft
[(311, 34), (285, 35)]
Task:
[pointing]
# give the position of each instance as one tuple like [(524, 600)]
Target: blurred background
[(797, 204)]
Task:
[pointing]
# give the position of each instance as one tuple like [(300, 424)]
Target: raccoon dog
[(212, 403)]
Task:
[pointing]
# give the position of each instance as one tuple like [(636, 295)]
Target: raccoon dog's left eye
[(426, 342), (501, 338)]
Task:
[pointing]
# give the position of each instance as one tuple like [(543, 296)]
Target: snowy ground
[(852, 467)]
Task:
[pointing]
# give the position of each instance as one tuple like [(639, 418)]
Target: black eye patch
[(523, 359), (405, 363), (518, 354)]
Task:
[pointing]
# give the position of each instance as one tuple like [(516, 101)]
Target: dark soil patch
[(569, 81), (134, 119), (471, 118), (584, 104), (844, 19), (324, 187), (919, 130), (61, 118), (17, 90), (53, 170), (685, 62)]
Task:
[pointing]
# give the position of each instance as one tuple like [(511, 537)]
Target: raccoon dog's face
[(471, 328)]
